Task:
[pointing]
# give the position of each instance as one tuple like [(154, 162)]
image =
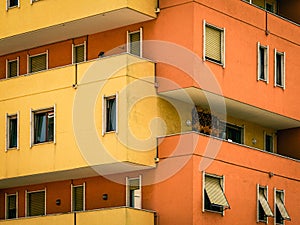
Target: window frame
[(223, 43), (104, 113), (265, 142), (11, 7), (8, 117), (282, 197), (283, 62), (7, 67), (129, 43), (222, 185), (266, 62), (29, 66), (26, 201), (32, 123), (128, 193), (6, 204), (83, 185), (84, 52), (265, 190)]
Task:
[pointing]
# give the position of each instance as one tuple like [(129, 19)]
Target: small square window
[(43, 126), (11, 206), (134, 45), (234, 133), (12, 68), (263, 208), (37, 62), (281, 213), (79, 53), (78, 197), (279, 69), (263, 63), (214, 196), (36, 203), (214, 44), (12, 131), (12, 3)]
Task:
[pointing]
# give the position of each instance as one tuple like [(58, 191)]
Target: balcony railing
[(111, 216)]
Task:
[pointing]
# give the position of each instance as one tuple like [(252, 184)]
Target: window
[(43, 125), (12, 131), (263, 208), (109, 113), (12, 3), (213, 192), (134, 192), (11, 206), (281, 213), (78, 198), (234, 133), (37, 62), (263, 63), (12, 68), (79, 53), (134, 43), (35, 203), (268, 143), (214, 44), (279, 69)]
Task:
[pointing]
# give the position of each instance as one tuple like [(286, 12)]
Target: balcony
[(77, 133), (234, 121), (112, 216), (42, 22)]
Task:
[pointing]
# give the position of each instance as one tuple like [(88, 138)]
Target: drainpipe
[(75, 222), (267, 32)]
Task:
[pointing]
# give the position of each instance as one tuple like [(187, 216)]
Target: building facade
[(149, 112)]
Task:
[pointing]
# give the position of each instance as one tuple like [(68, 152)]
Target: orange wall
[(95, 188)]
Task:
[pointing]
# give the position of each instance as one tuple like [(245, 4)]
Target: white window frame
[(30, 56), (128, 191), (26, 204), (33, 1), (17, 207), (141, 41), (84, 187), (84, 47), (283, 55), (222, 183), (32, 113), (223, 43), (18, 66), (266, 191), (104, 100), (8, 116), (11, 7), (266, 59)]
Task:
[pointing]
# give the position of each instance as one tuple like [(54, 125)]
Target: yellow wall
[(54, 87)]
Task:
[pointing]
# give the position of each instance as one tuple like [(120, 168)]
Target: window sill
[(215, 62), (211, 211), (11, 149), (43, 143)]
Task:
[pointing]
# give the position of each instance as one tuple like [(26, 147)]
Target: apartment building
[(149, 112)]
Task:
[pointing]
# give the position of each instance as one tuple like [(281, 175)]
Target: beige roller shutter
[(214, 192), (38, 63), (135, 39), (36, 203), (79, 53), (282, 208), (213, 39), (264, 203)]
